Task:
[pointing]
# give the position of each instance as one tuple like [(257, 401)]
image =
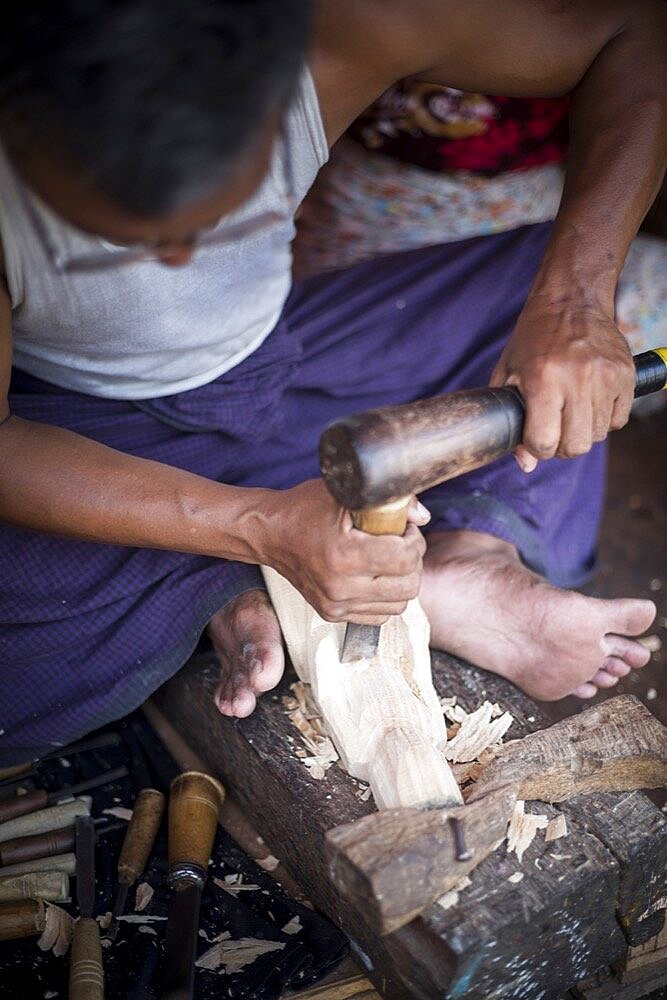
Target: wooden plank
[(501, 939)]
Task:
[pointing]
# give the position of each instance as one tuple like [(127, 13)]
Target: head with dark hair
[(153, 101)]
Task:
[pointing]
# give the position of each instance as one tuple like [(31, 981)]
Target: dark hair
[(153, 100)]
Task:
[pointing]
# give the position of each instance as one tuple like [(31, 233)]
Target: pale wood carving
[(383, 714)]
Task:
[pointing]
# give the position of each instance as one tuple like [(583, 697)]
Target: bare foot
[(246, 636), (487, 607)]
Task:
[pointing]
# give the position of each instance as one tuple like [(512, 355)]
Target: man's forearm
[(59, 482), (615, 166)]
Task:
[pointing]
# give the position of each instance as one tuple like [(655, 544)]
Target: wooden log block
[(503, 939), (382, 714)]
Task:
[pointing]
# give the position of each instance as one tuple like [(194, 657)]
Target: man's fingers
[(526, 461), (417, 513), (620, 413), (576, 428), (542, 427)]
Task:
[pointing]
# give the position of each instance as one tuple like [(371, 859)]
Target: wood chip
[(57, 933), (514, 879), (303, 714), (451, 898), (522, 829), (120, 812), (143, 896), (269, 863), (235, 888), (293, 926), (556, 829), (227, 956), (104, 920), (477, 733), (140, 918)]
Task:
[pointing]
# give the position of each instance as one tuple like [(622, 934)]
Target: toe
[(587, 690), (243, 704), (604, 679), (616, 667), (268, 668), (630, 616), (632, 652)]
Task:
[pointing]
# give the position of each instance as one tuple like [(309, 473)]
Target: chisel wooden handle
[(388, 519), (21, 919), (86, 975), (373, 458), (43, 820), (140, 836), (19, 805), (37, 885), (194, 804), (58, 863), (38, 845)]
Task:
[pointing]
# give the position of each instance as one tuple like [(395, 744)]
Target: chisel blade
[(360, 642), (181, 944), (85, 864)]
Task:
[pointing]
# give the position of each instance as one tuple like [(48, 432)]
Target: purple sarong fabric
[(88, 631)]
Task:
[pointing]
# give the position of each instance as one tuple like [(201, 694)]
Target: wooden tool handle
[(86, 974), (19, 805), (57, 863), (141, 832), (375, 457), (21, 919), (389, 519), (37, 885), (54, 818), (194, 803), (38, 845)]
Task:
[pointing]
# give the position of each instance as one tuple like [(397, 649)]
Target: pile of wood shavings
[(303, 713), (57, 932), (522, 829), (227, 957), (473, 733)]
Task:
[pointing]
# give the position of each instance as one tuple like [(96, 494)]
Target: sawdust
[(522, 829), (320, 752), (556, 829), (478, 731), (227, 956), (57, 932), (143, 896)]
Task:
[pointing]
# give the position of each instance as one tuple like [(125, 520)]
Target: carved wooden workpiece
[(396, 863), (383, 714)]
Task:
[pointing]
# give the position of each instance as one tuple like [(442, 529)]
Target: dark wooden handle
[(86, 973), (21, 919), (140, 837), (19, 805), (380, 456), (194, 803), (39, 845)]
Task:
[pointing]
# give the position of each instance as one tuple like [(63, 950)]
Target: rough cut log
[(383, 714), (616, 746)]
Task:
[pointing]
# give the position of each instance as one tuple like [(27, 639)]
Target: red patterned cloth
[(442, 129)]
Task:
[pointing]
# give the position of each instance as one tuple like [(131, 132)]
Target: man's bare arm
[(566, 353), (56, 481)]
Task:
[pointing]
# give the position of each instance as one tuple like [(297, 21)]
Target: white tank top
[(143, 329)]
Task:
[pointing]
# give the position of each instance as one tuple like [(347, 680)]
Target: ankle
[(443, 546)]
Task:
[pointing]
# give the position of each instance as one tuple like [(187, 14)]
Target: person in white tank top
[(152, 157)]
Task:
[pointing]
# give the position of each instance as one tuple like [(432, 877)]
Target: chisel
[(137, 846), (86, 974), (40, 798), (53, 818), (194, 803), (53, 886), (374, 462), (20, 772), (45, 845)]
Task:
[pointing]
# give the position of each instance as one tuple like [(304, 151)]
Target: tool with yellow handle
[(373, 462)]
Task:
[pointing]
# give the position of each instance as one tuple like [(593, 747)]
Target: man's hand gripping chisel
[(374, 462)]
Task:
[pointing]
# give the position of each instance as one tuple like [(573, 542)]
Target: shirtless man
[(139, 139)]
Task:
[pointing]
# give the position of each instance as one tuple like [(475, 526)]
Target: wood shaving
[(57, 932), (143, 896), (228, 957), (104, 920), (556, 829), (522, 829), (302, 713), (143, 918), (514, 879), (364, 794), (651, 694), (120, 812), (293, 926), (451, 898), (235, 888), (145, 929), (269, 863), (478, 733)]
